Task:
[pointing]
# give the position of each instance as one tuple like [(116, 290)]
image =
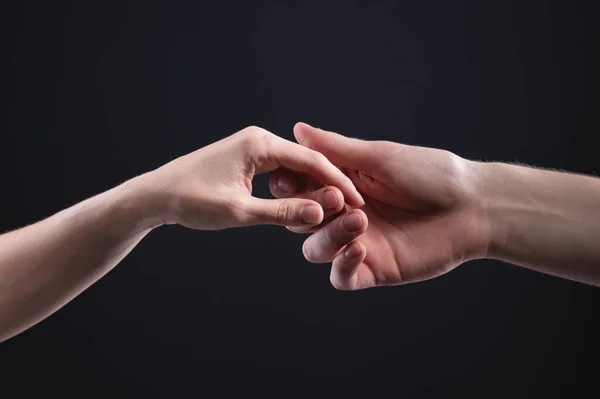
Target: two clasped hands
[(381, 213)]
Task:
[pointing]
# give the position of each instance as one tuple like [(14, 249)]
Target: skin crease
[(428, 211), (422, 212), (209, 189), (420, 225), (226, 192)]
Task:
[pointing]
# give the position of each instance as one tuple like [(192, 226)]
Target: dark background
[(94, 93)]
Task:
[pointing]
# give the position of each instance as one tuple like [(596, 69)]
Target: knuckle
[(252, 135), (324, 196), (257, 143), (255, 132), (455, 164), (284, 212)]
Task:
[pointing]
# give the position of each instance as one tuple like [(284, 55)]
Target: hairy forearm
[(544, 220), (45, 265)]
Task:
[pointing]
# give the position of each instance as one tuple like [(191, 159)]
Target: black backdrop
[(94, 93)]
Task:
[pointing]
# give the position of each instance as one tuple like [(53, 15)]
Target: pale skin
[(398, 214), (45, 265), (428, 211)]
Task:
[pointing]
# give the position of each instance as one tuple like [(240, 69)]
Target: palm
[(422, 217), (404, 246)]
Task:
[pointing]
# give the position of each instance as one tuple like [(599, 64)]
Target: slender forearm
[(544, 220), (45, 265)]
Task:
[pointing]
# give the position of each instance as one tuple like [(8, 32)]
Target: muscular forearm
[(544, 220), (45, 265)]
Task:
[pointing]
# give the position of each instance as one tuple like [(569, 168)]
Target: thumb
[(283, 212), (342, 151)]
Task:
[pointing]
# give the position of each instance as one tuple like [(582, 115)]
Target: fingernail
[(283, 185), (329, 200), (352, 222), (353, 251), (311, 214)]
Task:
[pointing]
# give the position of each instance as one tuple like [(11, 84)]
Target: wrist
[(142, 201), (500, 207)]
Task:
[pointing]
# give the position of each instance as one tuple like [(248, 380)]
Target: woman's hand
[(211, 188)]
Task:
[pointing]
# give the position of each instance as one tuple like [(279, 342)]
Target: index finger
[(301, 159)]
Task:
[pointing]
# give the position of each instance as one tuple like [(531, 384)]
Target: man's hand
[(421, 209), (211, 188)]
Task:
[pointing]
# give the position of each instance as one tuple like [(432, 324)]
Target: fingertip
[(302, 229), (308, 252), (354, 251), (354, 222), (332, 200), (298, 126), (283, 184), (300, 130), (301, 125), (357, 200), (312, 214), (351, 193), (345, 267)]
